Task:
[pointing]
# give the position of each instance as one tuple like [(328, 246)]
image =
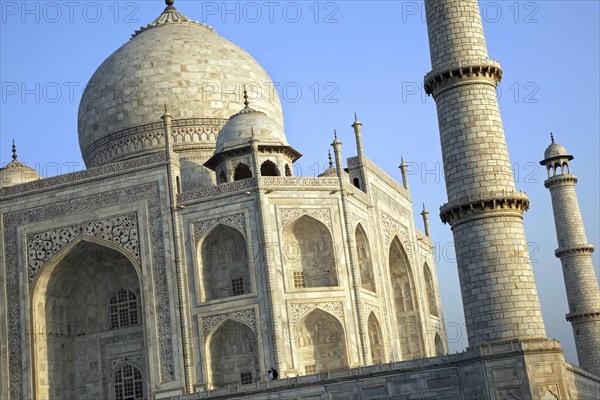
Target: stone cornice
[(266, 182), (574, 250), (475, 206), (479, 71), (87, 175), (558, 180), (575, 318)]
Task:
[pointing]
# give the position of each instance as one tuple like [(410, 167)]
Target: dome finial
[(335, 134), (552, 137), (330, 159), (14, 151), (169, 3), (246, 102)]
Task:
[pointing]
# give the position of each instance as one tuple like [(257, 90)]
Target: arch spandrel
[(119, 233)]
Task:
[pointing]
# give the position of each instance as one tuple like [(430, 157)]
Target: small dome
[(16, 173), (555, 150), (238, 131)]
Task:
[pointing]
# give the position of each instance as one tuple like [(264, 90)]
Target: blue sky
[(332, 59)]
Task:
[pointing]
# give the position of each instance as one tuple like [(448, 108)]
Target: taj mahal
[(187, 260)]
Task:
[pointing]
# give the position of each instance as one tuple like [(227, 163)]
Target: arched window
[(404, 302), (288, 170), (320, 343), (309, 254), (439, 347), (375, 340), (242, 171), (129, 384), (123, 309), (356, 182), (225, 271), (232, 355), (363, 251), (430, 289), (268, 168)]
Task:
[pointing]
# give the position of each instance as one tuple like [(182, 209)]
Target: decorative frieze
[(238, 221), (247, 317), (116, 363), (287, 215), (392, 227), (122, 231), (298, 310), (195, 132), (217, 190), (370, 308), (87, 174)]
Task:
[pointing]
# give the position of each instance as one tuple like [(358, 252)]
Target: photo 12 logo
[(53, 12), (270, 12)]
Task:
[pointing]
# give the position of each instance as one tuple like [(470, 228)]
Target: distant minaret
[(484, 210), (575, 255)]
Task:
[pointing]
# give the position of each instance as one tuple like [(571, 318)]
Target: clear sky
[(332, 59)]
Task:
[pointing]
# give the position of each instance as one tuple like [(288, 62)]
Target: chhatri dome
[(555, 150), (174, 61), (247, 124), (15, 172)]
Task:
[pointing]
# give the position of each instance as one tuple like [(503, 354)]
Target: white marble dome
[(238, 131), (176, 62)]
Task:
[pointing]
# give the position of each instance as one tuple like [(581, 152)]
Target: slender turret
[(575, 255), (484, 210)]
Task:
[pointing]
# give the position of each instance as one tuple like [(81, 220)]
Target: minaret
[(425, 215), (404, 170), (575, 255), (357, 126), (484, 210)]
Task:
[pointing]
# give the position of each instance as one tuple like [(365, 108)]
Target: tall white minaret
[(484, 209), (575, 254)]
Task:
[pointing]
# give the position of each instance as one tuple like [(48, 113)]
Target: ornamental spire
[(246, 102), (330, 159), (552, 137), (14, 151)]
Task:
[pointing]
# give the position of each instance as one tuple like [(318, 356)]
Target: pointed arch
[(430, 291), (404, 301), (321, 343), (309, 254), (401, 275), (363, 252), (288, 170), (232, 355), (65, 251), (439, 345), (224, 265), (375, 339), (71, 299), (268, 168), (242, 171)]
